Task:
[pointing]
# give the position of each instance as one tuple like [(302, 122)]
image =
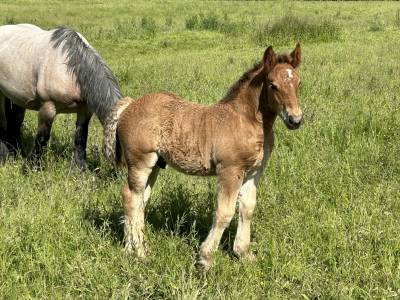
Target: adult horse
[(54, 71), (232, 139)]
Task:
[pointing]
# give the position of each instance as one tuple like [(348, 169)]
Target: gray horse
[(54, 71)]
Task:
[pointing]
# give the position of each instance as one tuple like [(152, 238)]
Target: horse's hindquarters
[(32, 71)]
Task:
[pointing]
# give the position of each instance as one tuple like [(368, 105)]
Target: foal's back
[(175, 129), (191, 137)]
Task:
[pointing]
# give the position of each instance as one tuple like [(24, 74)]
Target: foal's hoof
[(141, 255), (250, 256), (247, 255), (204, 263)]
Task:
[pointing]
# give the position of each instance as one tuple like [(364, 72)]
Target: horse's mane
[(249, 74), (97, 83)]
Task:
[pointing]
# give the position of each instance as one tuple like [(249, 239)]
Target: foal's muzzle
[(291, 121)]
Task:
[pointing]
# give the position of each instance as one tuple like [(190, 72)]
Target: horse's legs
[(229, 183), (133, 202), (3, 130), (46, 116), (15, 117), (247, 203), (81, 135)]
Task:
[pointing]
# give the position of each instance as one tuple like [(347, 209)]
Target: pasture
[(327, 220)]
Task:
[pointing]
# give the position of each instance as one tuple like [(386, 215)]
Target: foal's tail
[(111, 146)]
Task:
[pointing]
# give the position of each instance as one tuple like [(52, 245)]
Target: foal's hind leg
[(229, 183), (81, 135), (46, 117), (15, 117), (133, 203), (150, 183)]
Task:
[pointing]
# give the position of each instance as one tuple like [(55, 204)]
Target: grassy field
[(328, 215)]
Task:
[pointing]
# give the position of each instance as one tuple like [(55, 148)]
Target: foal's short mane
[(249, 75), (98, 86)]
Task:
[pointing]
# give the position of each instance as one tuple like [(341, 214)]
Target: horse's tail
[(111, 147)]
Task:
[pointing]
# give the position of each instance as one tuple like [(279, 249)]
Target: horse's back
[(17, 27), (31, 69)]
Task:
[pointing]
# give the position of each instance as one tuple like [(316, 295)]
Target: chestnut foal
[(232, 139)]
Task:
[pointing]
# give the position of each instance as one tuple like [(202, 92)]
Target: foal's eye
[(273, 87)]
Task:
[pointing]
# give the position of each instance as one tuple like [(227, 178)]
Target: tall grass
[(397, 19), (281, 31), (213, 22), (294, 28), (378, 23)]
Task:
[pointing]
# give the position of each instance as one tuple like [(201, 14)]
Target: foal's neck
[(252, 101)]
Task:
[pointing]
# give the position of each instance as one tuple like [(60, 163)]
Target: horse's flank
[(54, 71), (38, 66)]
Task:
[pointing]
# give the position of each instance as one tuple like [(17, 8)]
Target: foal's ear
[(269, 59), (296, 56)]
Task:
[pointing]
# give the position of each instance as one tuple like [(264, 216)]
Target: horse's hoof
[(3, 152), (31, 166), (80, 164)]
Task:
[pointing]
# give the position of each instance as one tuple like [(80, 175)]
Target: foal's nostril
[(292, 121)]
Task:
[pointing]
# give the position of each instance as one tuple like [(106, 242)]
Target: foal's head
[(283, 83)]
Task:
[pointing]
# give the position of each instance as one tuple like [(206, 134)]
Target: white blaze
[(290, 74)]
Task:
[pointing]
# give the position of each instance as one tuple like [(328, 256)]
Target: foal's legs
[(247, 203), (133, 195), (15, 117), (229, 183), (81, 134), (47, 113)]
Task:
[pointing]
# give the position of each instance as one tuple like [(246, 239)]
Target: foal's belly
[(190, 165)]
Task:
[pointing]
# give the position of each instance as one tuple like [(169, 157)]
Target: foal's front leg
[(247, 203), (81, 135), (229, 183)]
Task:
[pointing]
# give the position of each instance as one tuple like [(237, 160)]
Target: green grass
[(327, 219)]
